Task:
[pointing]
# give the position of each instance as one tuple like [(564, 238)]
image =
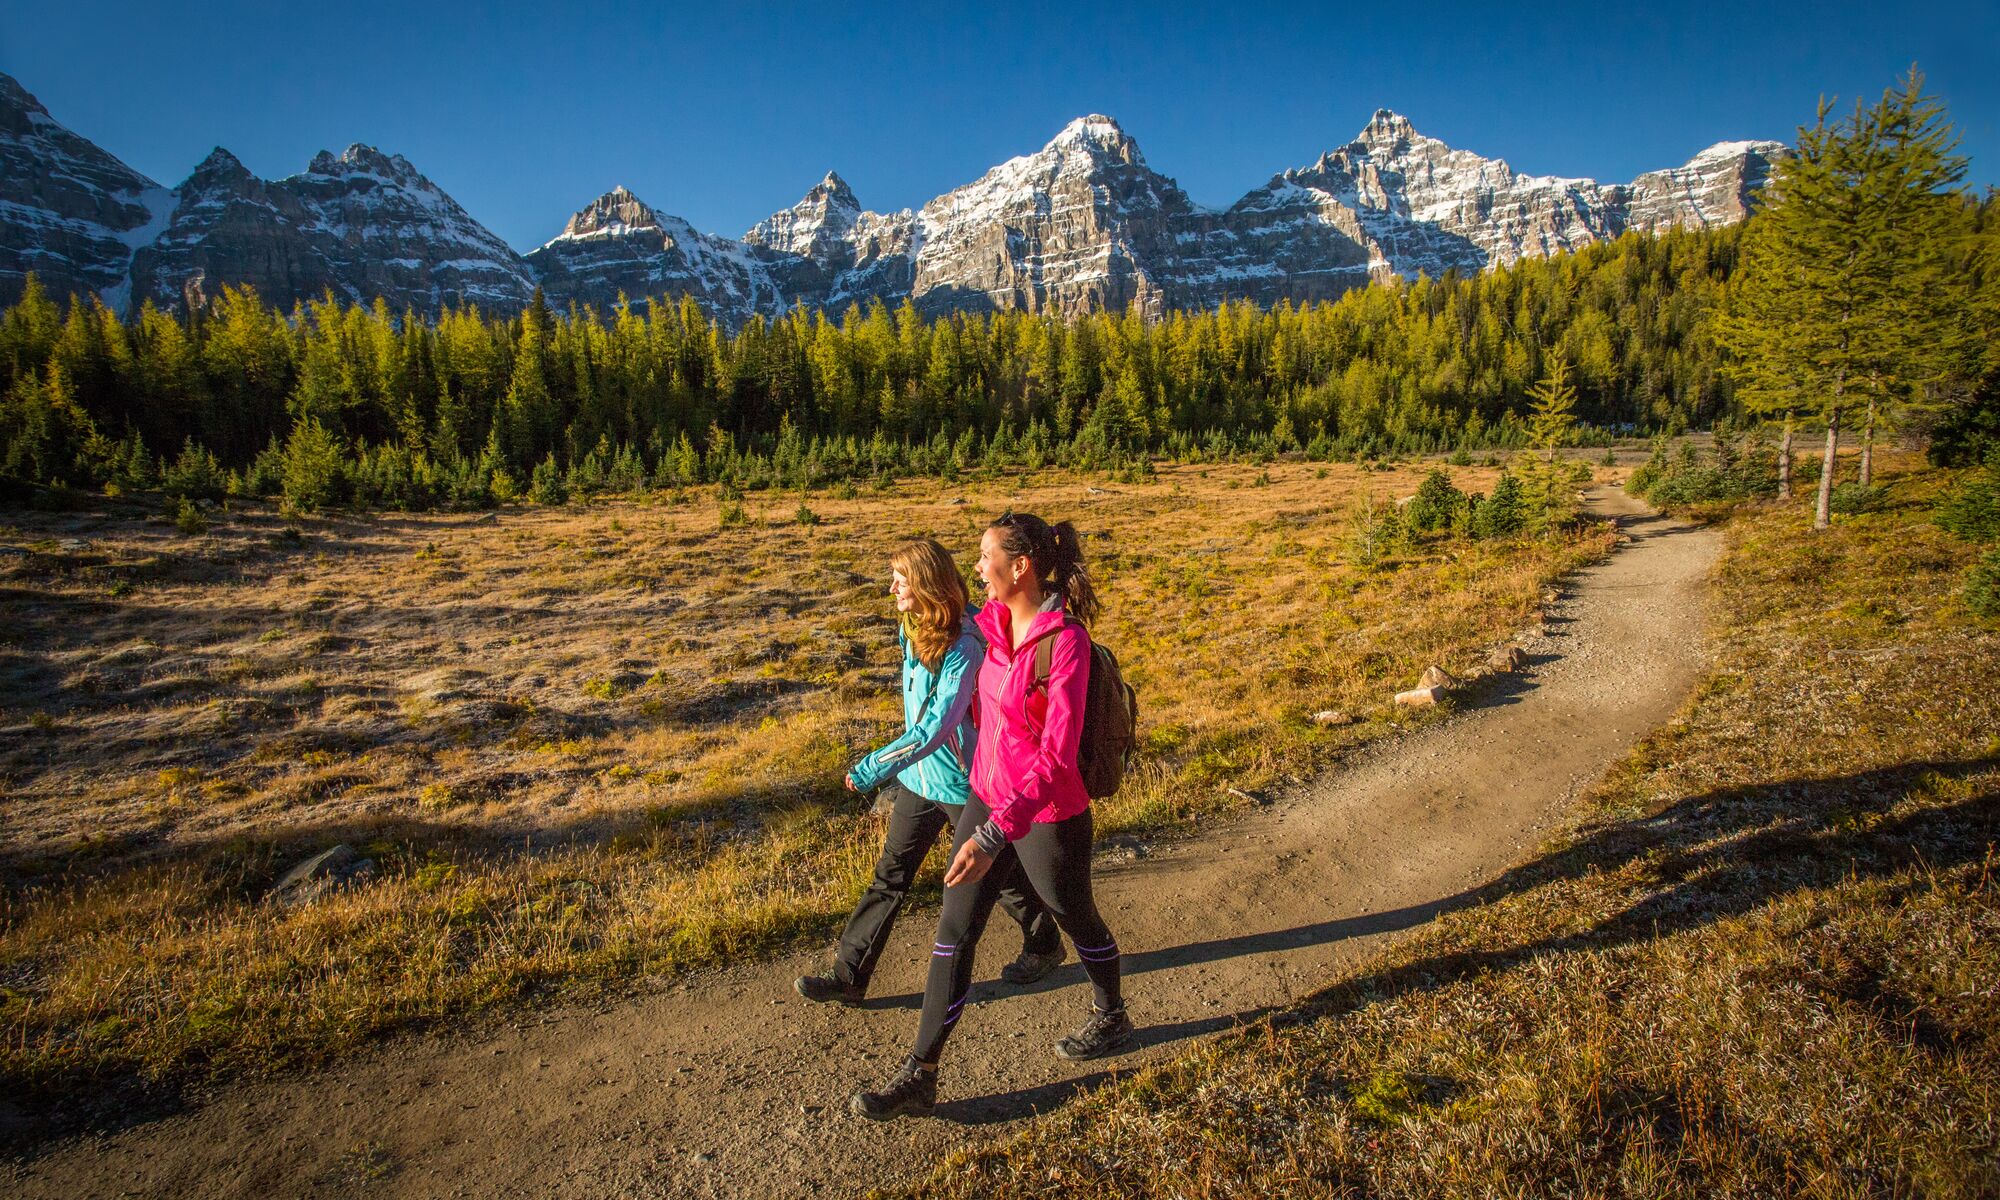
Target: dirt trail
[(732, 1085)]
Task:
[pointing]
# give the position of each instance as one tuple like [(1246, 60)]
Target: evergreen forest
[(343, 404)]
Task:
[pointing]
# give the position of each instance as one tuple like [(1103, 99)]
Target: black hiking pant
[(1055, 858), (914, 823)]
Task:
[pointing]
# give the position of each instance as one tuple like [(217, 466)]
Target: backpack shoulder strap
[(1045, 652)]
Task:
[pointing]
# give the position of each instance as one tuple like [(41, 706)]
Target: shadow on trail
[(1645, 527), (1711, 857), (1275, 941), (1725, 854), (1027, 1102)]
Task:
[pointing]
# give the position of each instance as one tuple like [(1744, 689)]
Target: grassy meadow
[(1764, 961), (594, 745)]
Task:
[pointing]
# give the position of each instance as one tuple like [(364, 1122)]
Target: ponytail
[(1056, 554), (1070, 577)]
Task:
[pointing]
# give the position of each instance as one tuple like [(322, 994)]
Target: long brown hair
[(1056, 554), (937, 598)]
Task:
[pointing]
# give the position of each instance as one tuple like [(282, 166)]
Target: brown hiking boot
[(911, 1091)]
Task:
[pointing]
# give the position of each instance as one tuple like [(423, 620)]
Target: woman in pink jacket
[(1028, 800)]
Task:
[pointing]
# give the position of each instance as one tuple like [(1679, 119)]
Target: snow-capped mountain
[(1415, 204), (1083, 224), (69, 212), (361, 225), (829, 250), (617, 244), (1715, 187)]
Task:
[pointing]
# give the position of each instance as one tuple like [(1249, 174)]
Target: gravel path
[(731, 1085)]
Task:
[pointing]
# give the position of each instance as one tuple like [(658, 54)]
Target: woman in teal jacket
[(923, 772)]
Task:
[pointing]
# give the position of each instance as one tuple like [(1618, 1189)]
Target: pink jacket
[(1024, 766)]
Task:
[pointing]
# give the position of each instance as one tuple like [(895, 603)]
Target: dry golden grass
[(1765, 962), (591, 744)]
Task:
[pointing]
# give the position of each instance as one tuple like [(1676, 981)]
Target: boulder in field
[(1437, 679), (1508, 658), (1423, 697), (1332, 716)]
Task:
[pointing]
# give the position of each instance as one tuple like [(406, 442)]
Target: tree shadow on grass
[(1717, 856), (1723, 855)]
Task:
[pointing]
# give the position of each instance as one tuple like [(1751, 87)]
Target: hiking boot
[(822, 988), (1104, 1033), (911, 1091), (1032, 967)]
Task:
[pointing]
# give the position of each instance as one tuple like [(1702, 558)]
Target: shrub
[(195, 475), (188, 518), (1377, 533), (1436, 505), (265, 475), (1738, 470), (1851, 498), (503, 487), (805, 515), (1972, 509), (1504, 513), (314, 475), (547, 486), (1982, 585)]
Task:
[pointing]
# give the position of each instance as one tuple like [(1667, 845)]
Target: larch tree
[(1836, 300), (1925, 332)]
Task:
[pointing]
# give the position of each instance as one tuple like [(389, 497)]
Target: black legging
[(1056, 859), (913, 828)]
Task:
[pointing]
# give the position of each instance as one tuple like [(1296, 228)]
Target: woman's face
[(899, 587), (1002, 573)]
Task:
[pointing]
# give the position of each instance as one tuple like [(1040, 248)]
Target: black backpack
[(1110, 717)]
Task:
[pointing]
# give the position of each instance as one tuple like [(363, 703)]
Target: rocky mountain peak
[(834, 193), (1100, 137), (220, 169), (1080, 224), (359, 159), (1388, 133), (616, 212), (814, 227), (1729, 152), (18, 107), (69, 211)]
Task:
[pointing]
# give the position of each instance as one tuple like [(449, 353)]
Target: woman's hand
[(850, 784), (969, 865)]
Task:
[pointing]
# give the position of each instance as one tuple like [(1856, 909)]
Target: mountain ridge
[(1081, 224)]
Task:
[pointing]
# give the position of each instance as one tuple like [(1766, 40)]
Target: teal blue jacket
[(934, 753)]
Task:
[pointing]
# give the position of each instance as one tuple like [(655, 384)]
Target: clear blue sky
[(724, 114)]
